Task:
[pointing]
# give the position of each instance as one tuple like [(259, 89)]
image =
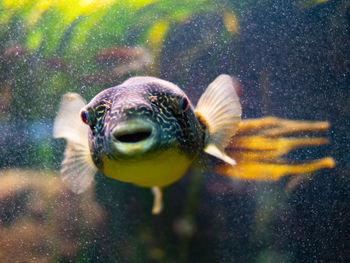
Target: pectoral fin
[(77, 169), (220, 111), (216, 152)]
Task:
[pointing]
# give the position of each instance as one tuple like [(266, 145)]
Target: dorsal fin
[(220, 108), (78, 169)]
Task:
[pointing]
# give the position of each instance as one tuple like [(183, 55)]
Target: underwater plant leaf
[(273, 171), (114, 18), (66, 36), (259, 148), (272, 126), (231, 22), (309, 3)]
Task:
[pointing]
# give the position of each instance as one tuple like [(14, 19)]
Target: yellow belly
[(162, 169)]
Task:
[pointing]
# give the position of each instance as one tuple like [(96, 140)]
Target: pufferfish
[(145, 131)]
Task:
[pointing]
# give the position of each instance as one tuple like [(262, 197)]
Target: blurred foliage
[(41, 220), (50, 47), (309, 3)]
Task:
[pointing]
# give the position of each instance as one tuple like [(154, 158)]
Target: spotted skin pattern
[(155, 101)]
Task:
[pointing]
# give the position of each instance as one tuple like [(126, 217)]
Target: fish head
[(142, 117)]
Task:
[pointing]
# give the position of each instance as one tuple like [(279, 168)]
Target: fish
[(146, 132)]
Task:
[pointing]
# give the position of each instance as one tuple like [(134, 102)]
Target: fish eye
[(184, 104), (85, 117)]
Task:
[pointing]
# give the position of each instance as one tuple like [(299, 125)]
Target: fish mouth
[(134, 136)]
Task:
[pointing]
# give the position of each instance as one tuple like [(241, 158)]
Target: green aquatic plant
[(59, 46)]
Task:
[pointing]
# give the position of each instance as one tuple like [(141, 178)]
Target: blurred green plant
[(50, 47)]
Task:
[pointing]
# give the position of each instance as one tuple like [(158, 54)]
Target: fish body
[(142, 134), (145, 131)]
